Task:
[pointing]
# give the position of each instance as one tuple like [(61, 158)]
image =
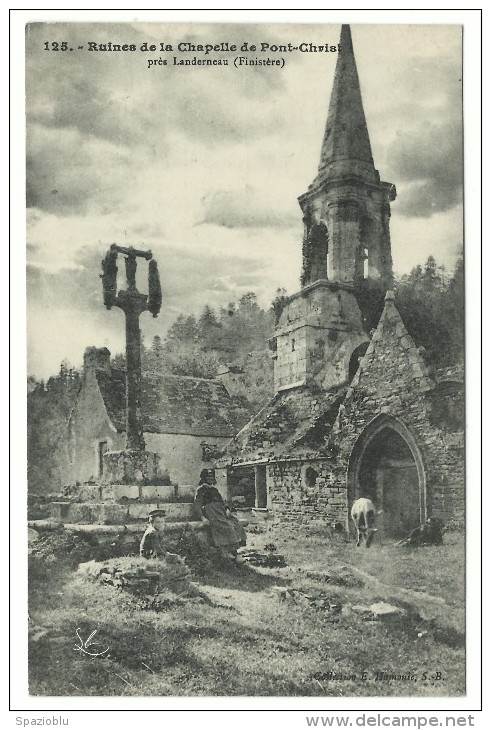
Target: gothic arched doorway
[(386, 466)]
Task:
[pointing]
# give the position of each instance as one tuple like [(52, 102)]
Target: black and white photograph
[(245, 360)]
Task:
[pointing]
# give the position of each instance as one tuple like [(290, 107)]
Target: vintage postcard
[(245, 325)]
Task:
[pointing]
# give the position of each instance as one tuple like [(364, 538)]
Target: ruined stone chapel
[(352, 415)]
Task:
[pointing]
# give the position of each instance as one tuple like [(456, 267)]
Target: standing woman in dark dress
[(226, 531)]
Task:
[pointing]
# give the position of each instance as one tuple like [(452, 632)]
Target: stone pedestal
[(127, 513), (131, 467), (131, 488)]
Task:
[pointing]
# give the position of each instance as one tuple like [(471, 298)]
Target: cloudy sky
[(204, 165)]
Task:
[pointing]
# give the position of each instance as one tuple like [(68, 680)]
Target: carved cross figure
[(133, 303)]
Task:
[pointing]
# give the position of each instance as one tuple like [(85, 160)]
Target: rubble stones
[(310, 598), (263, 559), (382, 610), (140, 575)]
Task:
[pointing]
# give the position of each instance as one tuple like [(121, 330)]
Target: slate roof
[(174, 404), (295, 423)]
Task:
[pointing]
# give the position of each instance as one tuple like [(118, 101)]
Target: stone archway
[(386, 466)]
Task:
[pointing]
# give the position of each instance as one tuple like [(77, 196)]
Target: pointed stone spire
[(347, 196), (346, 144), (390, 319)]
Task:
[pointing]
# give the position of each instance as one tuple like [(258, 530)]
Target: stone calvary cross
[(133, 303)]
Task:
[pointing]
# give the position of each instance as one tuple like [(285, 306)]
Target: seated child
[(152, 544)]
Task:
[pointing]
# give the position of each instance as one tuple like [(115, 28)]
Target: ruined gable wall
[(89, 424), (393, 380)]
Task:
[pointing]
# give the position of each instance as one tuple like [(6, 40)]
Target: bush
[(61, 546)]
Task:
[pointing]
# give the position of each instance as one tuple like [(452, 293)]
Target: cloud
[(91, 92), (192, 279), (218, 116), (429, 164), (191, 275), (70, 288), (67, 172), (417, 131), (70, 298), (147, 230), (114, 96), (97, 119), (245, 208)]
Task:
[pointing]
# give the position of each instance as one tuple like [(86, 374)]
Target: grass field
[(237, 638)]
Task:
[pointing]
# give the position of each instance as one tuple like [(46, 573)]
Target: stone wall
[(296, 497)]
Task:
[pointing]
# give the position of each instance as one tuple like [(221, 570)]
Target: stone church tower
[(351, 416), (346, 212)]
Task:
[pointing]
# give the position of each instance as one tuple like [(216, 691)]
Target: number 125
[(54, 46)]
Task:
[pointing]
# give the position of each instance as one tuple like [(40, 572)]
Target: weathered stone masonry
[(296, 500), (393, 382)]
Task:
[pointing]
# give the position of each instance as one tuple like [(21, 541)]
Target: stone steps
[(121, 492), (112, 513), (99, 530), (107, 534)]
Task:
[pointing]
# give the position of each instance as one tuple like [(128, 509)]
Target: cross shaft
[(133, 303)]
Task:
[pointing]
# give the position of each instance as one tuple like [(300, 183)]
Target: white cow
[(363, 515)]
